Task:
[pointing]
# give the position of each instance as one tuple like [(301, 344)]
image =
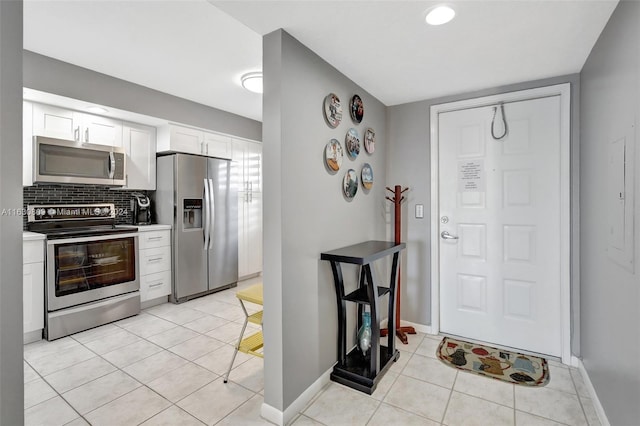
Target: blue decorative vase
[(364, 334)]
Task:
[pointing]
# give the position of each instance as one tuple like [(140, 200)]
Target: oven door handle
[(207, 213), (91, 238), (212, 214)]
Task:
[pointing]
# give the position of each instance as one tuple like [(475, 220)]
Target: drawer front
[(155, 285), (152, 239), (32, 251), (155, 260)]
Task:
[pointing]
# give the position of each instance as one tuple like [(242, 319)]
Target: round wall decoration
[(332, 110), (356, 107), (369, 140), (367, 176), (352, 142), (333, 155), (350, 184)]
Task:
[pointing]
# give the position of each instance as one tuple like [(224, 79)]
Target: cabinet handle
[(155, 259), (157, 284), (201, 147), (76, 134), (86, 134), (207, 149), (154, 238)]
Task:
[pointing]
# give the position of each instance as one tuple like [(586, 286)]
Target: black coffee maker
[(140, 209)]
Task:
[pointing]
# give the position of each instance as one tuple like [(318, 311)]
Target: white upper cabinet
[(73, 125), (100, 130), (174, 138), (215, 145), (140, 145)]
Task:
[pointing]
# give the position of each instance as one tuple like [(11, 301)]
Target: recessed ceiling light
[(97, 110), (440, 15), (252, 81)]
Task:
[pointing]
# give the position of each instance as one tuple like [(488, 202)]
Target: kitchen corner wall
[(11, 357), (81, 194), (306, 213)]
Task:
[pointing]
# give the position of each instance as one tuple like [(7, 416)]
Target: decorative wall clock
[(369, 140), (333, 155), (350, 184), (332, 110), (352, 143), (367, 176), (356, 108)]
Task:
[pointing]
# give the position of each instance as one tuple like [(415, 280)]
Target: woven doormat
[(511, 367)]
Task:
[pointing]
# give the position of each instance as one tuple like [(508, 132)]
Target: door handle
[(207, 212), (447, 236), (212, 213)]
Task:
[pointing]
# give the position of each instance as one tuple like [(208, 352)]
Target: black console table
[(354, 369)]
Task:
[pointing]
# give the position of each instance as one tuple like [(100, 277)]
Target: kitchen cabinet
[(249, 233), (139, 143), (154, 256), (33, 287), (174, 138), (247, 168), (62, 123), (248, 155)]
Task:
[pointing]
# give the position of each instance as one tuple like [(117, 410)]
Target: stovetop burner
[(74, 220)]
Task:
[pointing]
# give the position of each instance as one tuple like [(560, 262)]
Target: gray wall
[(11, 381), (409, 164), (610, 294), (305, 212), (64, 79)]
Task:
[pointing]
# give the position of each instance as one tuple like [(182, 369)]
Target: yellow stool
[(251, 344)]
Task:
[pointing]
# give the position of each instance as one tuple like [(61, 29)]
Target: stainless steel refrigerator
[(198, 196)]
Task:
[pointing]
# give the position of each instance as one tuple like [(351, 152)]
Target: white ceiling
[(193, 49)]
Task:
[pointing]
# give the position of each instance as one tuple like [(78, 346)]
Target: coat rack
[(397, 200)]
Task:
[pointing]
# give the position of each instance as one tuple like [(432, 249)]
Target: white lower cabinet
[(154, 256), (33, 289)]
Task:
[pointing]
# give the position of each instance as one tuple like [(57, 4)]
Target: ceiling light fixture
[(440, 15), (252, 81)]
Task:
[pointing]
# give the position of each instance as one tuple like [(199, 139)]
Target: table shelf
[(354, 369), (356, 372), (361, 296)]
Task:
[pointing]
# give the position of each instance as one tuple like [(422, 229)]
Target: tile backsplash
[(80, 194)]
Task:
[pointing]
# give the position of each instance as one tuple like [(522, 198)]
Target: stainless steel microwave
[(67, 161)]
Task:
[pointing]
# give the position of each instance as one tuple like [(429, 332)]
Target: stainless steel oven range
[(92, 273)]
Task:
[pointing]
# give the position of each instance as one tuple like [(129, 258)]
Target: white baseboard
[(272, 414), (592, 392), (282, 418)]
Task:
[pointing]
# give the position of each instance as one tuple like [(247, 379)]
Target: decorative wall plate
[(367, 176), (369, 140), (332, 110), (352, 143), (350, 184), (356, 107), (333, 154)]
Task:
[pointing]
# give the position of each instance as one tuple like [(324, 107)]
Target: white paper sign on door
[(471, 176)]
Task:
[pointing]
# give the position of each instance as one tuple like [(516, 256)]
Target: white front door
[(500, 203)]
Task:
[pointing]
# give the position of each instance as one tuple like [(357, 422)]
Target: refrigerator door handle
[(212, 214), (207, 213)]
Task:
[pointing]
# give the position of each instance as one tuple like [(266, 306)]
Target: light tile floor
[(165, 367)]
